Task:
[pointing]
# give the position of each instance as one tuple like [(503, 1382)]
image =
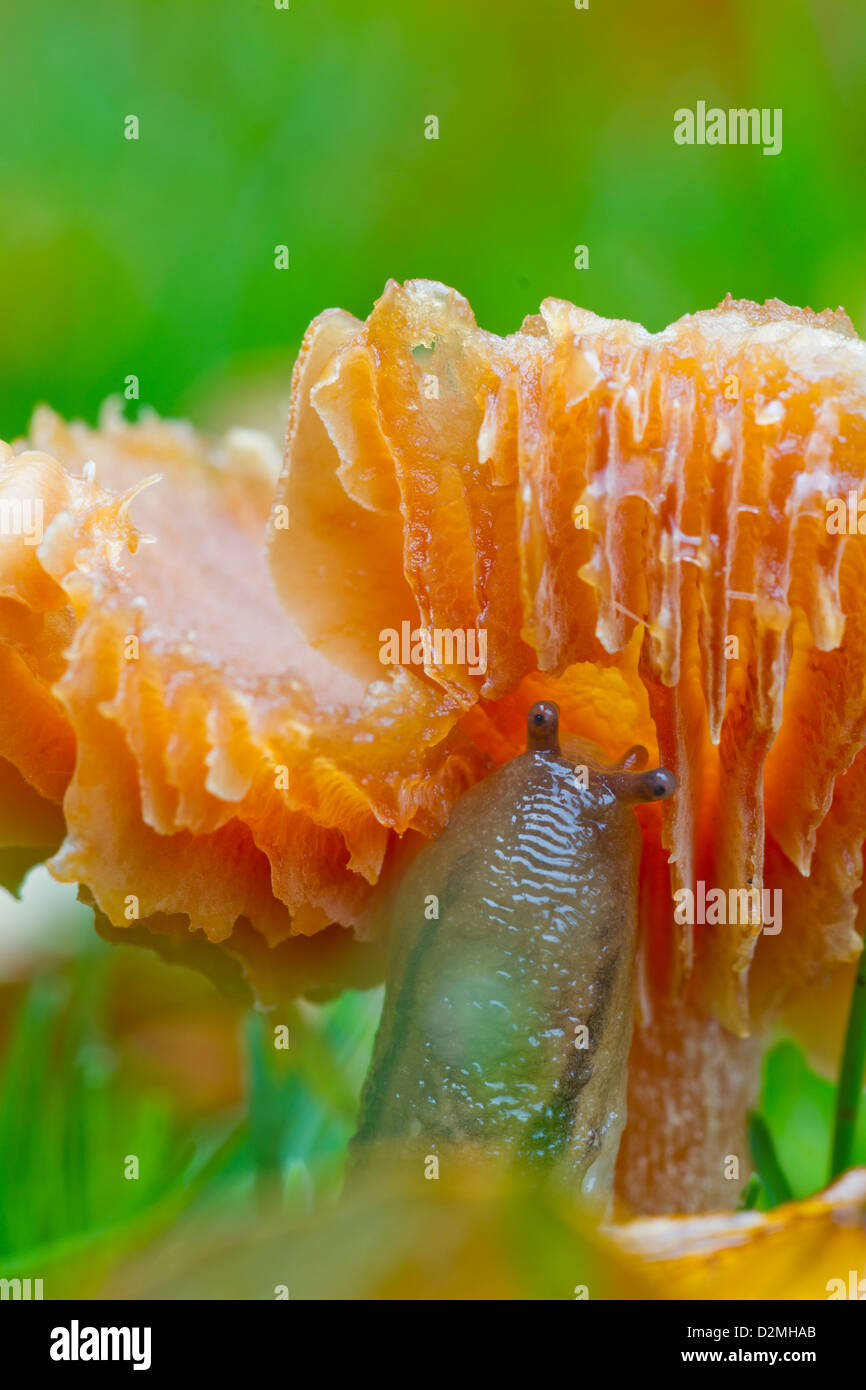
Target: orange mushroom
[(661, 532)]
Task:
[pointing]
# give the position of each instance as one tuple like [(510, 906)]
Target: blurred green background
[(155, 257), (305, 127)]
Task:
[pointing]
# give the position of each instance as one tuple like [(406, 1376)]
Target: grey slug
[(508, 1007)]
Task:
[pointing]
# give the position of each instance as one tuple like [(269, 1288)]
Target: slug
[(509, 999)]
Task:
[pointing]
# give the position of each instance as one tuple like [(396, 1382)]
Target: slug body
[(509, 1002)]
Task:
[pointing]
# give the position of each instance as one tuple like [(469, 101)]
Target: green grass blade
[(766, 1160), (850, 1088)]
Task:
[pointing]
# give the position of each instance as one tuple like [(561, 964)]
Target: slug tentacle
[(542, 728), (632, 788), (633, 759)]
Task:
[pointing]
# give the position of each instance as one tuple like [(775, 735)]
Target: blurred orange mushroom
[(659, 531), (815, 1249)]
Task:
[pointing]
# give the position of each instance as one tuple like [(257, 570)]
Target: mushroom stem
[(691, 1085)]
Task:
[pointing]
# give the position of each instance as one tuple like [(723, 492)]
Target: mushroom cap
[(640, 525), (634, 525)]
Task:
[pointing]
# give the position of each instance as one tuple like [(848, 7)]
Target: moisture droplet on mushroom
[(509, 1001)]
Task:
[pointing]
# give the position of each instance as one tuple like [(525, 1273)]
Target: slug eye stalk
[(542, 728), (632, 788)]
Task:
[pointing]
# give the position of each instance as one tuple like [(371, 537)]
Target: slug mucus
[(509, 999)]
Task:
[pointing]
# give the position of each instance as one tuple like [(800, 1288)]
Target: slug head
[(628, 779)]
